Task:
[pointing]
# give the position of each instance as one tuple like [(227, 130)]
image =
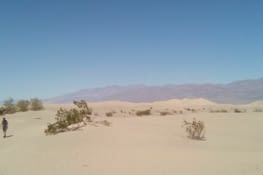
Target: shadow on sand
[(197, 138), (9, 136)]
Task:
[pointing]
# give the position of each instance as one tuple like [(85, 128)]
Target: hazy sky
[(52, 47)]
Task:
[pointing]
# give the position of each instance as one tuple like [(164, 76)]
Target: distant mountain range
[(238, 92)]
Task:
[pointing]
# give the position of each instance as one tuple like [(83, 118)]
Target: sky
[(52, 47)]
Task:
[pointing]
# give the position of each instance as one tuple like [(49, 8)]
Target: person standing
[(4, 126)]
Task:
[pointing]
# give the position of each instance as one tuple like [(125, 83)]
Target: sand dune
[(133, 145)]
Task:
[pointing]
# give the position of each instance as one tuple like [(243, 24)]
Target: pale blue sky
[(51, 47)]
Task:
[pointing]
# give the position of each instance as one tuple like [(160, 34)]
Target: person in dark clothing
[(4, 126)]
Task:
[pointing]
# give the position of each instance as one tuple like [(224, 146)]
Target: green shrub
[(65, 118), (9, 106), (36, 104), (2, 111), (83, 107), (22, 105)]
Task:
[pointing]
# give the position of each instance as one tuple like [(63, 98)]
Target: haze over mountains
[(238, 92)]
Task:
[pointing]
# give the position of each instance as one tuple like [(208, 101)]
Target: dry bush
[(258, 110), (109, 114), (36, 104), (2, 111), (195, 130), (236, 110), (164, 113), (190, 109), (143, 112), (178, 112), (67, 120), (83, 107), (218, 111), (22, 105), (10, 107)]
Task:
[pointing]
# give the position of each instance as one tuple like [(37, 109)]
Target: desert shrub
[(66, 118), (164, 113), (195, 130), (22, 105), (36, 104), (190, 109), (258, 110), (109, 114), (143, 112), (236, 110), (106, 123), (187, 109), (9, 106), (83, 107), (2, 111), (218, 111), (180, 112)]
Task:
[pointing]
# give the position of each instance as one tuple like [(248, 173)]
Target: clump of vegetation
[(2, 111), (258, 110), (109, 114), (218, 111), (143, 112), (195, 130), (236, 110), (190, 109), (164, 113), (65, 119), (178, 112), (36, 104), (22, 105), (9, 105)]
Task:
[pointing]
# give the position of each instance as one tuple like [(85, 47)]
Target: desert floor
[(132, 145)]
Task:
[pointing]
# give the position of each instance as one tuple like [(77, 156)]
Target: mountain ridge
[(236, 92)]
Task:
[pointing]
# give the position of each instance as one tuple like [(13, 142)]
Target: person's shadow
[(9, 136)]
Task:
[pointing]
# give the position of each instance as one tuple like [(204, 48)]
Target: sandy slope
[(132, 145)]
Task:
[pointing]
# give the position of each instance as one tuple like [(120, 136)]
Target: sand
[(132, 145)]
